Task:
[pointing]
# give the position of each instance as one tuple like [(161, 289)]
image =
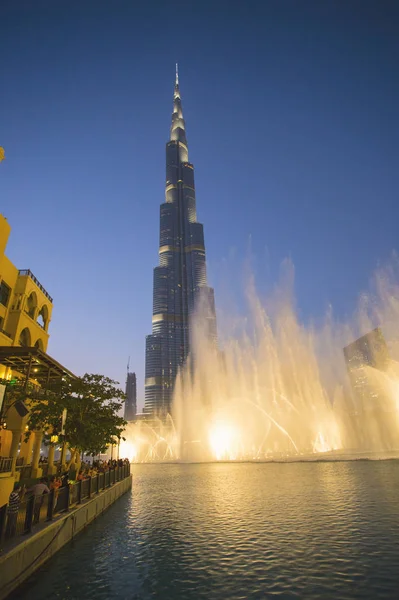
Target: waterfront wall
[(20, 562)]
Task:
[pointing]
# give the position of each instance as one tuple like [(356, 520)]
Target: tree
[(92, 403), (92, 413)]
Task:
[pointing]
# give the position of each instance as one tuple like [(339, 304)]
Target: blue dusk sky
[(291, 110)]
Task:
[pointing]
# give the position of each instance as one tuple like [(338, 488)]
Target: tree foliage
[(92, 403), (92, 407)]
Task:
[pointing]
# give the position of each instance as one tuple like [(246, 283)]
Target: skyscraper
[(131, 397), (374, 409), (370, 350), (180, 280)]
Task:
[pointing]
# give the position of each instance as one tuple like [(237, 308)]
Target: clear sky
[(291, 110)]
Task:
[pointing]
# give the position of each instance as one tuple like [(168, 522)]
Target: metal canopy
[(34, 364)]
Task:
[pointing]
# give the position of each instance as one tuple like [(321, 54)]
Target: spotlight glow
[(320, 444), (128, 450), (223, 441)]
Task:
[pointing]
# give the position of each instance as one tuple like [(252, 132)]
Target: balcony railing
[(5, 464), (28, 273), (39, 509)]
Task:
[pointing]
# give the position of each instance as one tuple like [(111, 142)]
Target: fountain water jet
[(279, 389)]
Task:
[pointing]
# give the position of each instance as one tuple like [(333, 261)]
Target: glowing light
[(322, 445), (128, 450), (222, 438)]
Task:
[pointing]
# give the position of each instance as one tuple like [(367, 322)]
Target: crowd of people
[(99, 466), (55, 482)]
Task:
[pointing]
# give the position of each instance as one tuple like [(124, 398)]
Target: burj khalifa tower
[(180, 280)]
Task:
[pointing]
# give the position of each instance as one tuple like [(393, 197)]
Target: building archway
[(42, 317), (31, 305), (25, 337)]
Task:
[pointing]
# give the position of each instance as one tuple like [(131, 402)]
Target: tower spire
[(177, 130)]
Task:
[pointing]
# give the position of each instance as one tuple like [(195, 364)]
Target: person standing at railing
[(65, 479), (38, 490), (55, 484), (14, 502)]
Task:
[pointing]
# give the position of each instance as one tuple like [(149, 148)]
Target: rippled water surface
[(304, 530)]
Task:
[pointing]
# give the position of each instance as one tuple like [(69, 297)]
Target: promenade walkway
[(34, 513)]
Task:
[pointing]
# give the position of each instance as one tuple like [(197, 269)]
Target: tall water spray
[(280, 389)]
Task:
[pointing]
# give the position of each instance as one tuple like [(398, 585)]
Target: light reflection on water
[(234, 531)]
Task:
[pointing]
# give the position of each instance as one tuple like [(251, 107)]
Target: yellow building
[(25, 314), (25, 306)]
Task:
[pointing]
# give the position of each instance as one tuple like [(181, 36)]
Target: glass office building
[(180, 280)]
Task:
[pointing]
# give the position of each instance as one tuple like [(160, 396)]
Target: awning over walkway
[(34, 364)]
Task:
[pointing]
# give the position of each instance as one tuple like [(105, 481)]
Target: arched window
[(42, 317), (25, 337), (31, 305), (39, 344)]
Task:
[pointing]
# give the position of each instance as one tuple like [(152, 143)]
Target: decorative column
[(16, 437), (5, 441), (26, 449), (52, 469), (36, 471)]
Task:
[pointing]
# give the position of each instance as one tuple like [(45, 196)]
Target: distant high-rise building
[(370, 350), (131, 397), (373, 412), (180, 279)]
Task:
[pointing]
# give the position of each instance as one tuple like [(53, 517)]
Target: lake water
[(230, 531)]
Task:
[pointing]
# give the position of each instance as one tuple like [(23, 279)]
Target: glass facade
[(131, 397), (368, 351), (180, 279)]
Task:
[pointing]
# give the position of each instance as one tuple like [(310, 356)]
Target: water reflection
[(216, 531)]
